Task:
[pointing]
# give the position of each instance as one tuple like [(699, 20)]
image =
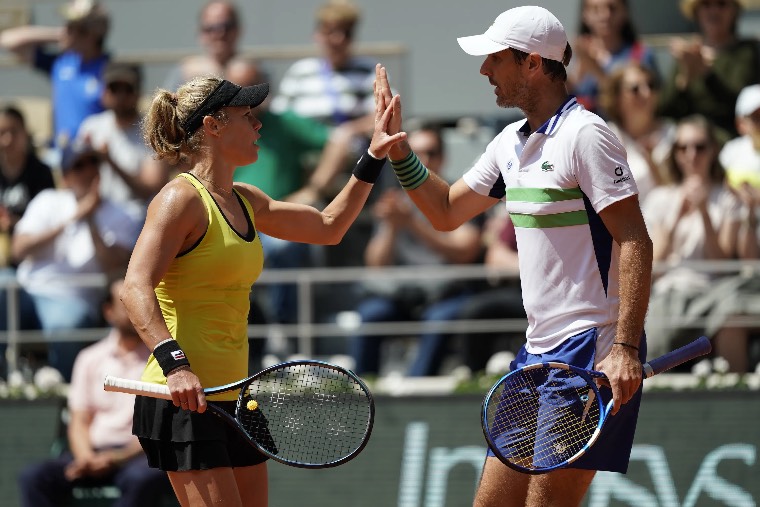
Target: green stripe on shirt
[(549, 221), (543, 194)]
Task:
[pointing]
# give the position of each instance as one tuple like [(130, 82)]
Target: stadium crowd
[(73, 205), (692, 134)]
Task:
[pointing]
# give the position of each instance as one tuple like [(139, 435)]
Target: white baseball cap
[(748, 101), (528, 28)]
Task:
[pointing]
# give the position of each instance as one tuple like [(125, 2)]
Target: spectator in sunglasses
[(219, 29), (711, 67), (129, 175), (629, 101), (696, 218), (74, 70), (65, 232)]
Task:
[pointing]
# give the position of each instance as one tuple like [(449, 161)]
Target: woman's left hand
[(382, 138), (388, 116)]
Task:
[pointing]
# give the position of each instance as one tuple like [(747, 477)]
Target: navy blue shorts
[(612, 449)]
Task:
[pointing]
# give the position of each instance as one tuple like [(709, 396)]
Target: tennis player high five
[(585, 255), (191, 272)]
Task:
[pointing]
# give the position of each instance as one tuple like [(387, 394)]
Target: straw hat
[(689, 6)]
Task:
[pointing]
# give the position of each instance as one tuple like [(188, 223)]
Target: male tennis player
[(585, 255)]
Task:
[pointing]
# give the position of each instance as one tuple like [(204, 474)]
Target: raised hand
[(384, 136), (383, 97)]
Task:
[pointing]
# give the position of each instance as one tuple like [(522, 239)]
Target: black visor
[(224, 95)]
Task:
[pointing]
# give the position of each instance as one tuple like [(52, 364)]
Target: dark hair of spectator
[(15, 113), (612, 87), (628, 33), (436, 130)]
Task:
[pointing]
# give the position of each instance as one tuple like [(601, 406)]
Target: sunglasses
[(700, 147), (328, 31), (431, 153), (219, 28), (638, 88), (84, 163), (124, 88), (715, 3)]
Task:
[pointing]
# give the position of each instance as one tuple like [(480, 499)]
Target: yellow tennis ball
[(252, 405)]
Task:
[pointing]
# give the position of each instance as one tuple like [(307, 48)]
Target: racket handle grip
[(123, 385), (699, 347)]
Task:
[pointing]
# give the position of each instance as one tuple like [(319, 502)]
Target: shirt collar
[(552, 124)]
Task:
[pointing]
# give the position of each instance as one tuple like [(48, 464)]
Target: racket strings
[(306, 413), (543, 417)]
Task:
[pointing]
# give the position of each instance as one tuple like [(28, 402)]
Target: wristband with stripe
[(170, 356), (411, 173)]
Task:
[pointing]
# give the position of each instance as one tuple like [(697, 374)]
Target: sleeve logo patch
[(546, 166), (620, 178)]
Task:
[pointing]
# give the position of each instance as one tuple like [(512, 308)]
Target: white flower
[(703, 368), (720, 365), (343, 360), (499, 363), (15, 379), (47, 379), (461, 373), (30, 393)]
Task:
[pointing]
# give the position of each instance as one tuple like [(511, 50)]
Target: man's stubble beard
[(522, 97)]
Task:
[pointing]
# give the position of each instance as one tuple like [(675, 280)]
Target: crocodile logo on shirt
[(546, 166)]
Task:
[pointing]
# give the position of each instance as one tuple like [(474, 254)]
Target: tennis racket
[(544, 416), (307, 414)]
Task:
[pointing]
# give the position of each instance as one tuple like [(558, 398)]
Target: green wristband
[(411, 173)]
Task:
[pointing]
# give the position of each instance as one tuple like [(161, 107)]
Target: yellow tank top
[(204, 298)]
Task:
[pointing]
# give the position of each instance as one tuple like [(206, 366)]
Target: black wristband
[(634, 347), (170, 356), (368, 168)]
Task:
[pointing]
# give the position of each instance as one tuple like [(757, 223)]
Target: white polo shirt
[(555, 182)]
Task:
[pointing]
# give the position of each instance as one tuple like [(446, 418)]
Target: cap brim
[(250, 95), (479, 45)]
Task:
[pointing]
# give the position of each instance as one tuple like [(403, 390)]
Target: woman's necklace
[(217, 188)]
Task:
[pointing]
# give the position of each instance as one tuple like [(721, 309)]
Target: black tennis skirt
[(177, 440)]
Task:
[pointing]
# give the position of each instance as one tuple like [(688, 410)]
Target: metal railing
[(308, 329)]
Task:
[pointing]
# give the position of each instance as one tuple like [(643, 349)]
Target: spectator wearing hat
[(75, 70), (219, 29), (129, 175), (66, 233), (712, 67), (740, 157)]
